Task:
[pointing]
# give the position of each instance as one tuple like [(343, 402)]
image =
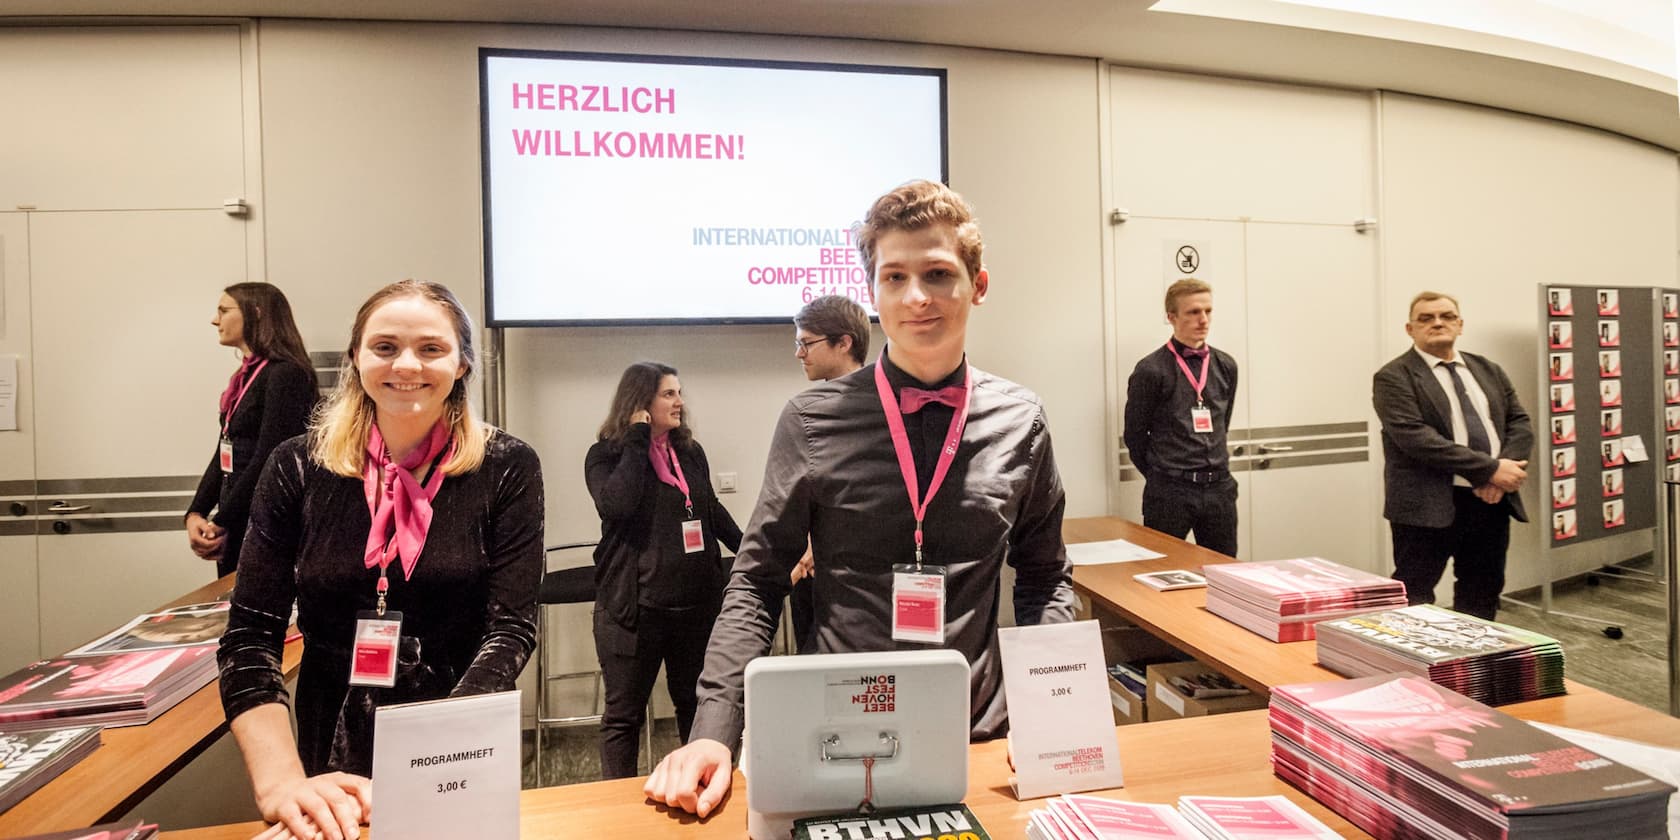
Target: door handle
[(1263, 463), (1272, 447), (1237, 450), (66, 507)]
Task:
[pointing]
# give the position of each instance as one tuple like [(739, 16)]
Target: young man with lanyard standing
[(916, 480), (1178, 411)]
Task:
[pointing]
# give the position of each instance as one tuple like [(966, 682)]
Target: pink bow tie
[(911, 400)]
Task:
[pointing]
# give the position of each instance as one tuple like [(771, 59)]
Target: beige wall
[(371, 148)]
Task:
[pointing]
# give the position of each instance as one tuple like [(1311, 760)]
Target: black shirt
[(640, 561), (1159, 398), (275, 408), (831, 476)]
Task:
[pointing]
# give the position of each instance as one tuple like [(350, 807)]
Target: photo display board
[(626, 189), (1609, 355)]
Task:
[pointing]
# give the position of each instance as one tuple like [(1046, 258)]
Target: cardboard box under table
[(1128, 707), (1168, 703)]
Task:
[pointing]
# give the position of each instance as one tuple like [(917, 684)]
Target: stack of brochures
[(1078, 817), (1282, 599), (125, 678), (1486, 661), (29, 760), (1400, 756)]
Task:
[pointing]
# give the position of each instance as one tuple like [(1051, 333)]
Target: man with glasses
[(830, 340), (831, 337), (1456, 444)]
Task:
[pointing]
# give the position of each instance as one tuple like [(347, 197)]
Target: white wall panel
[(107, 118), (17, 448), (1202, 147), (127, 369), (19, 607)]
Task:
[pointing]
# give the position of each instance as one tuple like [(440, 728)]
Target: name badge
[(225, 451), (918, 604), (374, 659), (1201, 420), (694, 538)]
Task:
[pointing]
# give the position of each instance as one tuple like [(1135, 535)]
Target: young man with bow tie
[(917, 474), (1178, 412)]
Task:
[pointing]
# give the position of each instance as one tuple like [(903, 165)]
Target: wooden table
[(132, 761), (1180, 617), (1222, 755)]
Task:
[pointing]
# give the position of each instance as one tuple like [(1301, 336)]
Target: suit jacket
[(1421, 458)]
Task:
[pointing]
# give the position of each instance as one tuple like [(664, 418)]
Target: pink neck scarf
[(400, 508), (665, 465), (231, 395)]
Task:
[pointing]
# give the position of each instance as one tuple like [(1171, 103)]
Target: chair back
[(570, 585)]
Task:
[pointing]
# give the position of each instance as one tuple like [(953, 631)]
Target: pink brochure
[(1253, 818), (1112, 819)]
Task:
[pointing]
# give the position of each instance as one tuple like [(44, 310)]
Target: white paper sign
[(1108, 551), (1061, 727), (447, 768), (1633, 449)]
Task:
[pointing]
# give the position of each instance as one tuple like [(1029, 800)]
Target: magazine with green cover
[(929, 822), (1432, 635)]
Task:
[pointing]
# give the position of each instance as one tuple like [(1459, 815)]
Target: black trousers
[(803, 602), (676, 638), (1476, 542), (1177, 507)]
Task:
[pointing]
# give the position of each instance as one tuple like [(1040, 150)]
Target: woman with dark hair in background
[(267, 400), (409, 534), (658, 573)]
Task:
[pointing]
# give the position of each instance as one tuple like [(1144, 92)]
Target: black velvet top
[(468, 614), (276, 407)]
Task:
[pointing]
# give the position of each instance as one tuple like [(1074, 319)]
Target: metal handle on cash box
[(834, 740)]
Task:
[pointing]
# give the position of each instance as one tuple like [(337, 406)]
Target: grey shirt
[(832, 474)]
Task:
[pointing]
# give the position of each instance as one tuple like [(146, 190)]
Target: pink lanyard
[(901, 444), (249, 380), (1198, 384)]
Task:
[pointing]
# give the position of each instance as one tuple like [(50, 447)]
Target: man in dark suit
[(1456, 445)]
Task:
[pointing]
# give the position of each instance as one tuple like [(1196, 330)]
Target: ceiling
[(1450, 64)]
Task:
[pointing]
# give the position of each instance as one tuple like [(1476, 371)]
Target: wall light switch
[(726, 482)]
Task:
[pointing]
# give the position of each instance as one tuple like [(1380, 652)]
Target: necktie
[(1194, 352), (911, 400), (1473, 427)]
